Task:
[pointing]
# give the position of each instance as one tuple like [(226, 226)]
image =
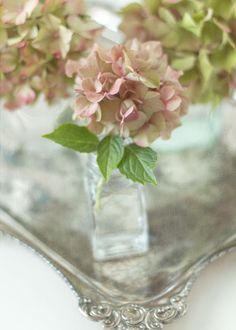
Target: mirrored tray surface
[(192, 219)]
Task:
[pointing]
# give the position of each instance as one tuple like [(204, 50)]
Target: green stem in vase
[(99, 189)]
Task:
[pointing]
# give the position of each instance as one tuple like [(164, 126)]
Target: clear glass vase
[(118, 212)]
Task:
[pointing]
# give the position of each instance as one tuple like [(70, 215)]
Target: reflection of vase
[(25, 156), (188, 157), (234, 95), (200, 129), (229, 136), (118, 213)]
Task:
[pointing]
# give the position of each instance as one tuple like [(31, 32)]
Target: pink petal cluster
[(36, 40), (128, 90)]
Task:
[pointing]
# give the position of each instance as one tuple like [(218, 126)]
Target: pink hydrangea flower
[(24, 95), (128, 90), (36, 40)]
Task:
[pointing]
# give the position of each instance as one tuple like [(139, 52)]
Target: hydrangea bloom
[(36, 40), (198, 36), (16, 12), (129, 90)]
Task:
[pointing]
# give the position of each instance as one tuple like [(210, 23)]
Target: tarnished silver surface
[(111, 315), (192, 217)]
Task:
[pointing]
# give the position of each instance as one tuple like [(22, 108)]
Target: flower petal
[(174, 103), (71, 68), (138, 121), (83, 108), (167, 92), (116, 86)]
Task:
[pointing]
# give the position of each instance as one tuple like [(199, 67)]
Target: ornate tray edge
[(131, 315), (135, 316)]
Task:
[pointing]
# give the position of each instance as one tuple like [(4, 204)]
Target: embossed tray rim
[(111, 315)]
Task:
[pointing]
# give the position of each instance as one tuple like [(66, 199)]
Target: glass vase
[(118, 213)]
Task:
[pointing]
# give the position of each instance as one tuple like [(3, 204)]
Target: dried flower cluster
[(198, 36), (36, 40), (129, 91)]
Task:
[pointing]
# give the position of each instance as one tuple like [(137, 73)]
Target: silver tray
[(192, 219)]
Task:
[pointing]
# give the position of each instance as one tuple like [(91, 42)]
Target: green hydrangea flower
[(198, 36)]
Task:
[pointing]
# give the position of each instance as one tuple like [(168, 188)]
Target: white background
[(34, 297)]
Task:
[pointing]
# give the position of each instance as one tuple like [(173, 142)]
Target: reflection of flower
[(129, 90), (198, 37), (36, 40)]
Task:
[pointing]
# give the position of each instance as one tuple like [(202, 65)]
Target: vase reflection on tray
[(229, 132), (188, 157), (25, 155)]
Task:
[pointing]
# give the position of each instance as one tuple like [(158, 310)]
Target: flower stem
[(100, 186)]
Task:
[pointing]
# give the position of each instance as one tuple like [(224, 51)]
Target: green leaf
[(138, 164), (190, 25), (171, 39), (152, 5), (109, 154), (132, 8), (205, 66), (230, 59), (74, 137), (224, 8), (225, 58), (167, 16), (189, 76), (185, 63), (3, 36)]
